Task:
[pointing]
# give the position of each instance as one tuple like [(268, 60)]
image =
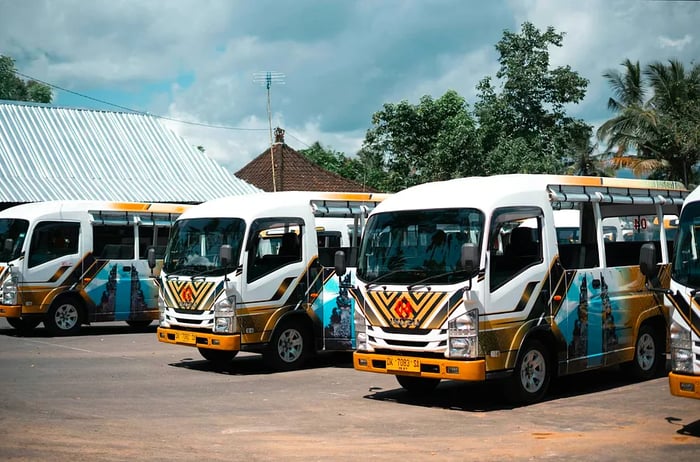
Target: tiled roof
[(294, 172), (53, 153)]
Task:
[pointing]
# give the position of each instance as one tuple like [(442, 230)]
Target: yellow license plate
[(397, 363), (186, 337)]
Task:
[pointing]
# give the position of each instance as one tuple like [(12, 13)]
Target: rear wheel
[(64, 317), (648, 351), (417, 385), (219, 356), (532, 374), (289, 348), (24, 325)]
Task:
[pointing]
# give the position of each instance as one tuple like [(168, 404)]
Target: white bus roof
[(48, 209), (287, 203), (532, 189)]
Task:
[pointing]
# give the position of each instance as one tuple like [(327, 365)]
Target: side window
[(515, 242), (113, 242), (624, 236), (328, 239), (51, 240), (152, 236), (273, 244)]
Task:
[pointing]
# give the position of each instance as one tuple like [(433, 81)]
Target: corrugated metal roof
[(53, 153)]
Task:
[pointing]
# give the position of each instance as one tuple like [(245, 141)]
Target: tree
[(658, 135), (14, 88), (334, 161), (524, 127), (412, 144)]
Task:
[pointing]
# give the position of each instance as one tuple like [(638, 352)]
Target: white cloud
[(677, 44), (194, 59)]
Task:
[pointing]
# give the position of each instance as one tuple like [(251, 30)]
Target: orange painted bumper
[(437, 368)]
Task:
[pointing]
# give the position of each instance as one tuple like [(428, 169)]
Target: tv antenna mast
[(267, 79)]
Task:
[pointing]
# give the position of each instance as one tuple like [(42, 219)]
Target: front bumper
[(438, 368), (687, 386), (10, 311), (231, 342)]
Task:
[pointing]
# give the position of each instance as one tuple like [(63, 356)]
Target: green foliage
[(337, 162), (412, 144), (15, 89), (524, 127), (657, 135)]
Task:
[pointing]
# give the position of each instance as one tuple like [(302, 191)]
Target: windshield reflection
[(193, 248), (16, 231), (409, 246), (686, 261)]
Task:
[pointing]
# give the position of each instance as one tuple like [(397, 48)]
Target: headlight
[(9, 291), (681, 348), (225, 316), (163, 321), (462, 335), (360, 324)]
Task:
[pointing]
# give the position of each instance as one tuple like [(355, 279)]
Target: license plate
[(186, 337), (397, 363)]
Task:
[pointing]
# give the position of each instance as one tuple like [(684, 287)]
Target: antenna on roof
[(268, 78)]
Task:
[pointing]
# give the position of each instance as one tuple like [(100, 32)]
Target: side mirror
[(469, 259), (225, 255), (647, 260), (151, 255), (339, 263)]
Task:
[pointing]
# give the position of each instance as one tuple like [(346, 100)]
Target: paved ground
[(114, 394)]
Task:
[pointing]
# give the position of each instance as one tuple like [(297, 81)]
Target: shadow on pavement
[(485, 397), (254, 364), (691, 429), (109, 328)]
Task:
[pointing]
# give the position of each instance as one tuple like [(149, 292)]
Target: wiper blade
[(376, 280), (204, 272), (434, 276)]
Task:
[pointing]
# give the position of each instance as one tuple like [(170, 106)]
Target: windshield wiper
[(203, 273), (434, 276), (376, 280)]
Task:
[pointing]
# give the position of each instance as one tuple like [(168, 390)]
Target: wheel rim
[(533, 371), (646, 352), (66, 316), (290, 345)]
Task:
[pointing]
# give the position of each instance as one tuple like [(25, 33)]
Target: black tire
[(24, 325), (417, 385), (289, 348), (64, 317), (648, 354), (218, 356), (140, 324), (531, 376)]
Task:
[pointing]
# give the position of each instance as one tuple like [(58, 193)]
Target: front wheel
[(289, 348), (417, 385), (64, 317), (24, 325), (218, 356), (532, 374), (647, 354)]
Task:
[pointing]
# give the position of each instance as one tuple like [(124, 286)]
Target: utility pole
[(267, 78)]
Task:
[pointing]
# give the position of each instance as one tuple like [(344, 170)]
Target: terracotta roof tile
[(294, 172)]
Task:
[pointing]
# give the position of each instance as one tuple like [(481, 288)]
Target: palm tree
[(662, 130), (676, 100), (630, 129)]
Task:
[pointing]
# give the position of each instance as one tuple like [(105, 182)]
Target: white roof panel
[(54, 153)]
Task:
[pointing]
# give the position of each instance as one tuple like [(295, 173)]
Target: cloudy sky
[(196, 60)]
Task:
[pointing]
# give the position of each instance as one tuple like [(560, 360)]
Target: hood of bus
[(195, 294)]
